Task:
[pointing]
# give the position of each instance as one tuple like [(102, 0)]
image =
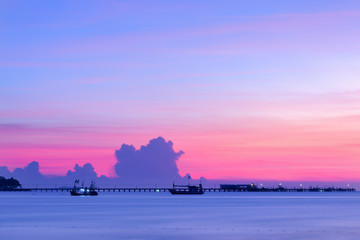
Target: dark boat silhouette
[(84, 191), (186, 189)]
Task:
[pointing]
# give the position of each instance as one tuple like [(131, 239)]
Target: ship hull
[(93, 193), (179, 192)]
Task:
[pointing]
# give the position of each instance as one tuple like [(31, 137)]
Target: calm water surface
[(163, 216)]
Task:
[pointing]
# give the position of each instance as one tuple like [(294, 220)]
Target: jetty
[(238, 188)]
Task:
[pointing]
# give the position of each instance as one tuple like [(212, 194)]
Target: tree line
[(9, 184)]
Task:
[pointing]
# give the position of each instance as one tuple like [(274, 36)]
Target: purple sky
[(246, 89)]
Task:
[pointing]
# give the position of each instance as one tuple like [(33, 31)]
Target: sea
[(159, 215)]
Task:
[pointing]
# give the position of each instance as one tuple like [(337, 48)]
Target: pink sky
[(292, 139), (246, 90)]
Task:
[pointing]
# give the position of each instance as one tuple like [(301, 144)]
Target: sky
[(245, 89)]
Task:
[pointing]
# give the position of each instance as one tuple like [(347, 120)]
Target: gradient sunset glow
[(247, 89)]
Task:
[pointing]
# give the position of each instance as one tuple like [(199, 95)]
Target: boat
[(84, 191), (187, 189)]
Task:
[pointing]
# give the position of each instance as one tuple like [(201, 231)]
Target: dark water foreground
[(298, 215)]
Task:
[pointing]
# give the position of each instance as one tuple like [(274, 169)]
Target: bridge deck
[(137, 189)]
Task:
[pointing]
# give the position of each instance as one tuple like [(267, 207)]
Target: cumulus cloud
[(4, 172), (85, 173), (155, 162), (30, 174)]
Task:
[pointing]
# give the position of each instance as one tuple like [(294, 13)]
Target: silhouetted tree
[(10, 183), (2, 182), (13, 183)]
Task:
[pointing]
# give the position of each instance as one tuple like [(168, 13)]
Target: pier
[(154, 189)]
